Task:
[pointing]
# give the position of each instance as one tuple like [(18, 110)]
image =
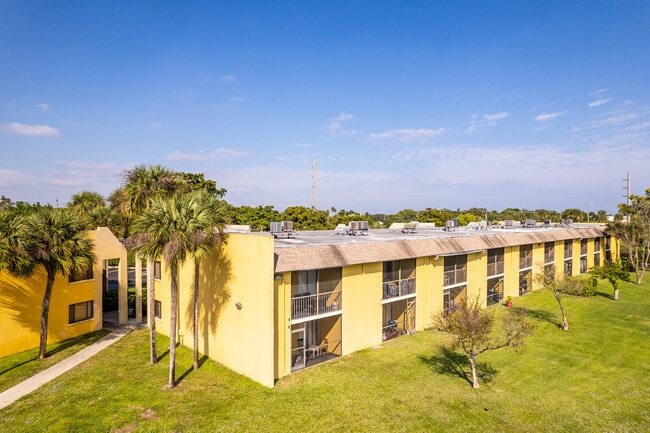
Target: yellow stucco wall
[(362, 307), (241, 339), (21, 300)]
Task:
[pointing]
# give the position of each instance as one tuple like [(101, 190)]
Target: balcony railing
[(495, 268), (393, 289), (456, 276), (305, 305), (525, 262)]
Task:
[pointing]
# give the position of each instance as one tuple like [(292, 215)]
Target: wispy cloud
[(549, 116), (335, 126), (44, 107), (33, 130), (598, 102), (478, 122), (92, 165), (408, 135), (228, 78), (220, 153)]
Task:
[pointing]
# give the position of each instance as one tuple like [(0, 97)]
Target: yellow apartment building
[(76, 303), (272, 305)]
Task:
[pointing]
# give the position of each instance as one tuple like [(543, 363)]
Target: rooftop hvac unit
[(410, 225), (450, 224), (363, 225), (569, 221), (509, 223), (276, 227), (456, 222), (287, 226), (354, 225), (531, 223)]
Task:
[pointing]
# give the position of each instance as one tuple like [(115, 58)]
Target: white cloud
[(478, 122), (549, 116), (334, 126), (220, 153), (33, 130), (598, 102), (408, 135), (91, 165), (44, 107)]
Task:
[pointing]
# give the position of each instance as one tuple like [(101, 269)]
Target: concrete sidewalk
[(33, 383)]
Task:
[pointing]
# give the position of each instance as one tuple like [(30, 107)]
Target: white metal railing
[(313, 305), (393, 289)]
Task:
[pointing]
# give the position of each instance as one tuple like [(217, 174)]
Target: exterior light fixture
[(239, 305)]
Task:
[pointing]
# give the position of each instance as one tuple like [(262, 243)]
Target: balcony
[(394, 289), (306, 305)]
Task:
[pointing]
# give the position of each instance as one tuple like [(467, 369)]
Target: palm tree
[(142, 184), (173, 228), (207, 236), (53, 238)]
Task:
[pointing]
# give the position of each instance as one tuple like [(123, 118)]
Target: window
[(525, 281), (398, 278), (568, 249), (549, 271), (597, 252), (86, 274), (568, 267), (583, 246), (525, 256), (494, 290), (549, 252), (568, 257), (451, 297), (608, 248), (157, 274), (157, 307), (80, 311), (455, 270), (495, 262)]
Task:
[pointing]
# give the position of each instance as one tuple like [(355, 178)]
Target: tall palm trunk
[(151, 312), (45, 312), (173, 325), (195, 323)]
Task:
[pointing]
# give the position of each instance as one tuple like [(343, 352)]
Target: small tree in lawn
[(560, 288), (471, 326), (612, 272)]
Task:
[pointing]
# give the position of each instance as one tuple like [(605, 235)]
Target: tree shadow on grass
[(541, 315), (191, 369), (452, 363), (604, 294)]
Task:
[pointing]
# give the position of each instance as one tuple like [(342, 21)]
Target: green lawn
[(16, 368), (593, 378)]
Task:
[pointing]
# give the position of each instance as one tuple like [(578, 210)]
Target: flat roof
[(320, 249)]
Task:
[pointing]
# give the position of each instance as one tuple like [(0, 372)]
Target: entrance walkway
[(33, 383)]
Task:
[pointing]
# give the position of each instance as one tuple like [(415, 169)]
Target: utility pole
[(627, 196), (313, 184)]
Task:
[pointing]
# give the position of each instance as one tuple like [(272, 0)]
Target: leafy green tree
[(635, 234), (471, 326), (197, 181), (612, 272), (560, 288), (258, 218), (53, 238), (5, 203), (437, 216), (601, 216), (305, 218), (174, 228)]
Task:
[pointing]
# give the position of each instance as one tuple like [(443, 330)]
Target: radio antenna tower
[(313, 184)]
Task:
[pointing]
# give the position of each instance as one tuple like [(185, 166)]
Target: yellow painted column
[(511, 271)]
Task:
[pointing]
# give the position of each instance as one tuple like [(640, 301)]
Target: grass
[(16, 368), (593, 378)]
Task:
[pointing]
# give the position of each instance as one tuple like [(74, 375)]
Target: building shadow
[(22, 303), (214, 294)]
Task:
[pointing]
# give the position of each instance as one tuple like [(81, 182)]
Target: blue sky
[(403, 104)]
